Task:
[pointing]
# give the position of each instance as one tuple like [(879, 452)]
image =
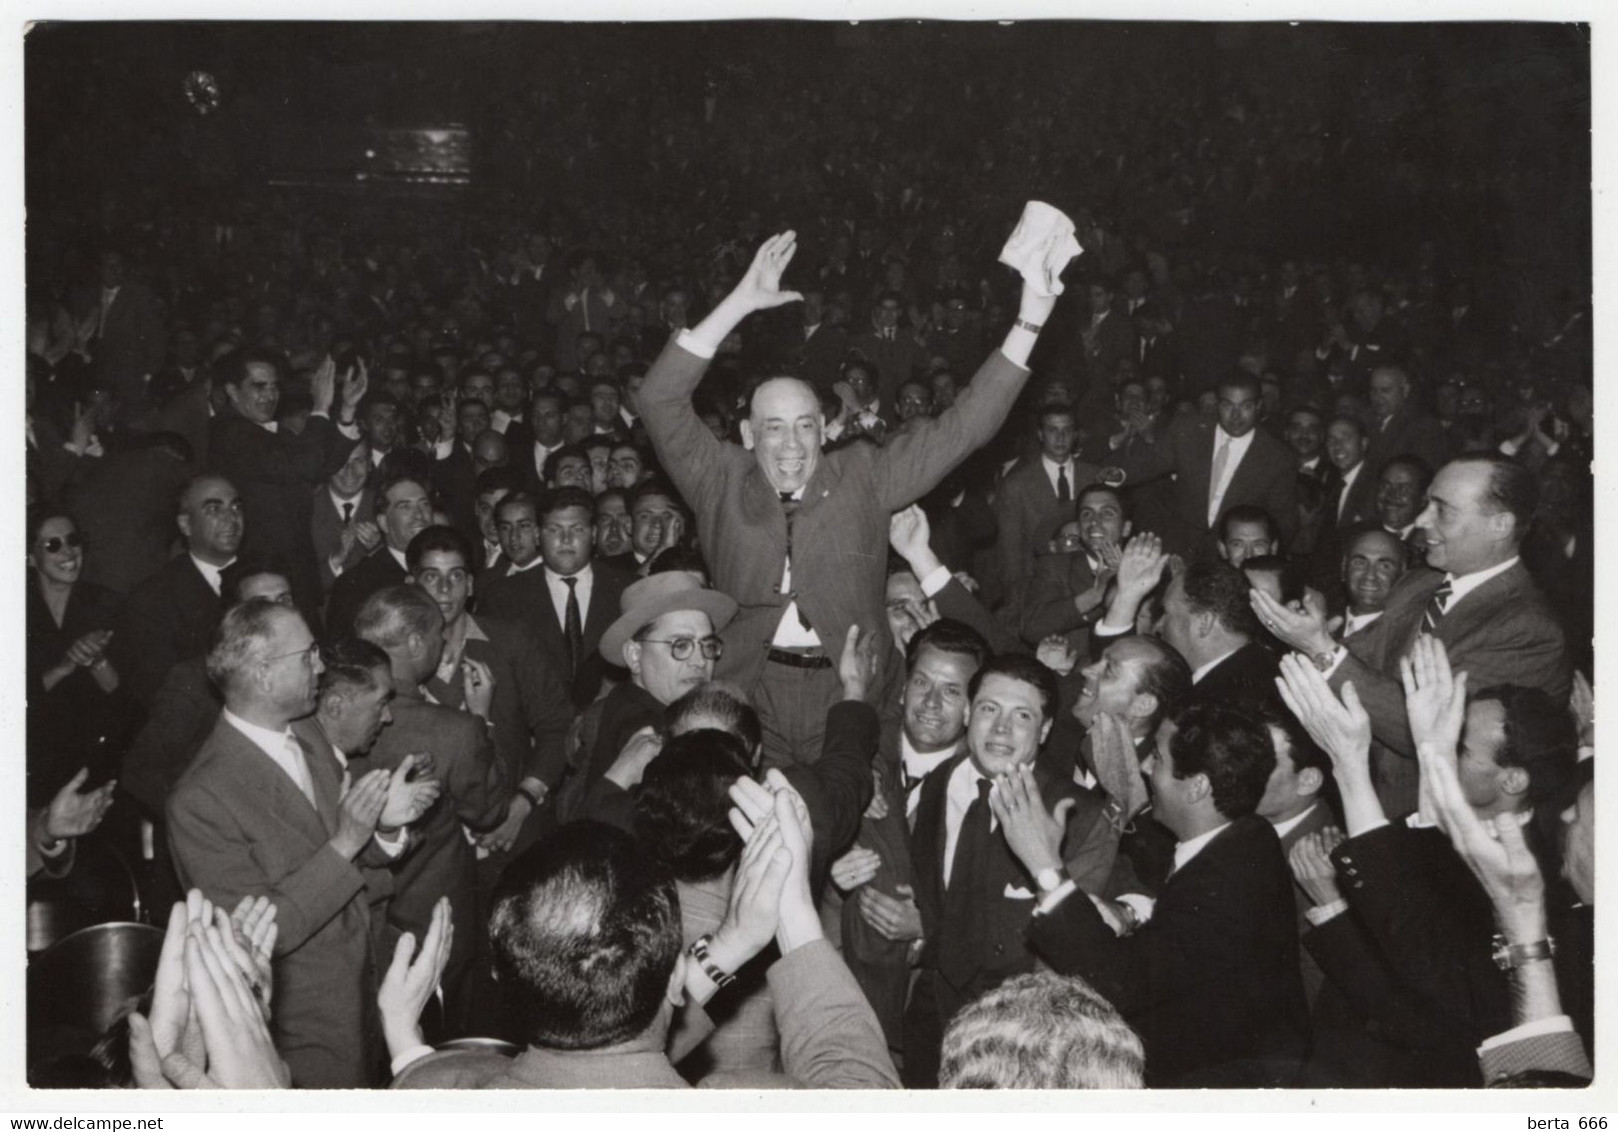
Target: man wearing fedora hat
[(668, 638)]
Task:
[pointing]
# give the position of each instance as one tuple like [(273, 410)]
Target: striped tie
[(1435, 608)]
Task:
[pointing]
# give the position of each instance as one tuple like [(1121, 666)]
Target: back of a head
[(1216, 587), (391, 615), (1231, 747), (1166, 676), (682, 805), (715, 703), (241, 639), (585, 935), (1041, 1031)]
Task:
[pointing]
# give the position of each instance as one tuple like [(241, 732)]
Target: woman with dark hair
[(76, 716)]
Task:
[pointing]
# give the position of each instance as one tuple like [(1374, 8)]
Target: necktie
[(788, 503), (961, 942), (1064, 489), (348, 511), (1216, 490), (1340, 497), (1435, 608), (584, 301), (574, 627), (299, 768), (790, 506)]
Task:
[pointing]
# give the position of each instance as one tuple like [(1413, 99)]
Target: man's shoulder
[(458, 1069), (214, 770), (174, 577)]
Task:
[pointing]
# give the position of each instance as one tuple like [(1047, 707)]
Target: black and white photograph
[(737, 553)]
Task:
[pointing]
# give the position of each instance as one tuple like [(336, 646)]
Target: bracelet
[(699, 952), (533, 796), (1509, 957), (1032, 328)]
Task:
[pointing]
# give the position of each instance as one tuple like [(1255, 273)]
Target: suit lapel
[(260, 776)]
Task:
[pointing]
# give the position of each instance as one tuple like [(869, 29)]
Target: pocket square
[(1017, 892)]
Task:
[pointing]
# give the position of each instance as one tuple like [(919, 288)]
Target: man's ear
[(747, 435), (1512, 780), (1224, 555), (184, 521), (1143, 705), (1502, 524), (1197, 787), (1204, 623), (1125, 530), (1045, 732), (632, 656), (1310, 780)]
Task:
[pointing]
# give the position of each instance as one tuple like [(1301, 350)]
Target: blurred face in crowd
[(1245, 540), (943, 390), (478, 386), (600, 462), (1112, 684), (909, 609), (785, 432), (862, 382), (112, 269), (64, 564), (1463, 533), (424, 387), (1398, 496), (612, 536), (1375, 560), (632, 385), (578, 424), (510, 390), (565, 538), (487, 502), (1237, 407), (1157, 394), (624, 467), (381, 425), (258, 394), (1345, 445), (270, 587), (519, 532), (914, 401), (598, 365), (572, 470), (604, 405), (1007, 724), (396, 384), (407, 510), (547, 420), (954, 315), (651, 660), (649, 517), (1389, 391), (1100, 298), (349, 480), (212, 521), (1133, 398), (935, 700), (443, 574), (885, 315), (1057, 437), (1305, 432), (471, 418)]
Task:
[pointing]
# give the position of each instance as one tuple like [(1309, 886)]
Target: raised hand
[(355, 382), (1140, 566), (409, 982), (878, 809), (857, 668), (754, 914), (240, 1052), (1300, 625), (323, 385), (909, 532), (630, 765), (358, 812), (894, 918), (1340, 727), (368, 534), (1056, 654), (1034, 833), (856, 867), (72, 814), (477, 684), (1312, 866), (249, 935), (1435, 700), (760, 288), (407, 800)]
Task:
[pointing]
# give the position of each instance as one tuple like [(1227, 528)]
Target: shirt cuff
[(1103, 629), (1321, 913), (1556, 1024), (443, 449), (321, 413), (351, 430), (394, 845), (1054, 897), (1509, 447), (688, 342), (52, 847), (936, 581), (409, 1057)]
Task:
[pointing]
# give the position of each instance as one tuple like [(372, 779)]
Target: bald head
[(784, 431)]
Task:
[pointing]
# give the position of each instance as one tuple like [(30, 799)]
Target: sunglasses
[(55, 543)]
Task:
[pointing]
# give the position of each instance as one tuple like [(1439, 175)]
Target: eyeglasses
[(680, 647), (55, 543), (312, 653)]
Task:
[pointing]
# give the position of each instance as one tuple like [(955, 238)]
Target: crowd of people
[(696, 655)]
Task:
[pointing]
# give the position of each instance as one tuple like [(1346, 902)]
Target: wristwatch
[(1049, 880), (1323, 661), (1510, 956), (699, 952), (535, 798)]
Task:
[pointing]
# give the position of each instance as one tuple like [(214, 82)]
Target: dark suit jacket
[(239, 826), (1244, 679), (180, 720), (1211, 982), (1411, 431), (169, 617), (818, 356), (839, 533), (1361, 504), (124, 505), (999, 899), (531, 711), (476, 793), (1314, 821), (524, 599), (131, 342), (276, 473), (1503, 632), (1028, 513), (1265, 478), (376, 571), (326, 531), (894, 359), (1049, 609), (1103, 348), (455, 482)]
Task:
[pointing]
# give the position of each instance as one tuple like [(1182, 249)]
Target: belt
[(793, 659)]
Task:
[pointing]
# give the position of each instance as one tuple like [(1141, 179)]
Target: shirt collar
[(586, 572), (1185, 850), (1292, 823), (539, 560), (272, 743), (399, 557), (1466, 583), (1196, 677), (212, 574)]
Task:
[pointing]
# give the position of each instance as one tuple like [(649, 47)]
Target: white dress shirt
[(919, 765), (960, 794), (212, 574), (283, 749), (558, 589), (1238, 448), (1349, 477)]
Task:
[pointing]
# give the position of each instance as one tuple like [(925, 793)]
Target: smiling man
[(1067, 592), (796, 535), (404, 508)]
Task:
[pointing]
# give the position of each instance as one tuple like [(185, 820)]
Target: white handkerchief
[(1017, 892), (1041, 246)]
